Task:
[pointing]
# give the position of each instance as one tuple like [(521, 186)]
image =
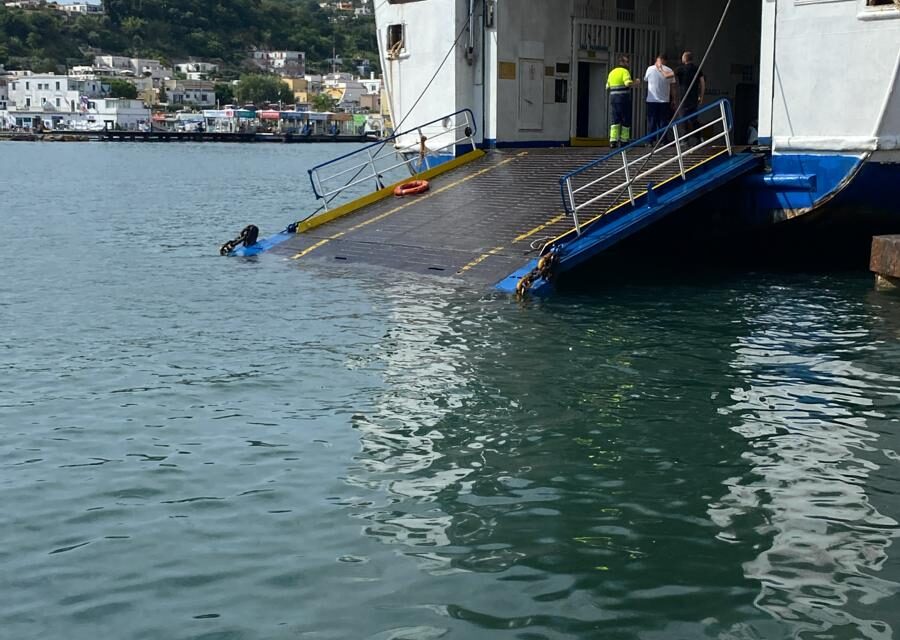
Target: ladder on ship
[(622, 192)]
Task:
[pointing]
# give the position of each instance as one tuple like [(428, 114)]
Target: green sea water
[(200, 447)]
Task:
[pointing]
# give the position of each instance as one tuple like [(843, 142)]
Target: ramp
[(488, 218), (479, 221), (616, 195)]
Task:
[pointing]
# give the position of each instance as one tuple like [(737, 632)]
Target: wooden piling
[(885, 261)]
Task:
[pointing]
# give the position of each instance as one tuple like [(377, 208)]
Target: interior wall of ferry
[(534, 34)]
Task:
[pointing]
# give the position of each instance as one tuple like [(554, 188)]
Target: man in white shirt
[(660, 79)]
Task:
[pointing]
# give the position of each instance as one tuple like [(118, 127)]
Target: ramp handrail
[(571, 189), (371, 163)]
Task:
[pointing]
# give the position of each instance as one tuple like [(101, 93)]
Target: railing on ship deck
[(381, 163), (622, 175)]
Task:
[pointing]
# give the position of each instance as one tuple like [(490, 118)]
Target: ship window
[(396, 42), (878, 9)]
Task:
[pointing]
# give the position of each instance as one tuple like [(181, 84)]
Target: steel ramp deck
[(479, 222), (619, 223)]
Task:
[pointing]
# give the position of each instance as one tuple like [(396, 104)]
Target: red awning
[(269, 115)]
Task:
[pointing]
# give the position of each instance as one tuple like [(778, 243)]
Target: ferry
[(503, 106)]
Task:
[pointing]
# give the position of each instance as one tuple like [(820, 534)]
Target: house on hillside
[(197, 70), (200, 93), (85, 8), (137, 67), (290, 64)]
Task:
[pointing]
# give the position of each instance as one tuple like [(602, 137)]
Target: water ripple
[(204, 448)]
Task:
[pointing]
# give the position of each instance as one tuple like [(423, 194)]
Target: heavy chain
[(543, 271), (246, 237)]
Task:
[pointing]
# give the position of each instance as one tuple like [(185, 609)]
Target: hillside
[(47, 39)]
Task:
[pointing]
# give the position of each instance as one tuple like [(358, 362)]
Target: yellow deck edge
[(381, 194)]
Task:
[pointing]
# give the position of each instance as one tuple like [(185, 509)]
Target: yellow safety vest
[(619, 78)]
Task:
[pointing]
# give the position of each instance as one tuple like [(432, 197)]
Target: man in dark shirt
[(685, 76)]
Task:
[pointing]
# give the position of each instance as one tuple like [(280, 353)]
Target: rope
[(399, 124), (684, 98)]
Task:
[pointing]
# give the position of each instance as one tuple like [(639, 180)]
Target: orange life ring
[(412, 188)]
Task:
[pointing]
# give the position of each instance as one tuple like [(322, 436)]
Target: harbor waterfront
[(249, 448)]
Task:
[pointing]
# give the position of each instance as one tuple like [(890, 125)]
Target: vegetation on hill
[(224, 30), (259, 89)]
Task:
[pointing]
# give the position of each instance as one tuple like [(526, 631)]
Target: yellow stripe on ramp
[(417, 200)]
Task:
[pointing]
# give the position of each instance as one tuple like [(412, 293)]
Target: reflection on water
[(424, 361), (811, 417), (195, 447), (564, 468)]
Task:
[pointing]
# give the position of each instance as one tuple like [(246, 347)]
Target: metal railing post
[(315, 175), (574, 206), (628, 178), (378, 184), (678, 153), (726, 128)]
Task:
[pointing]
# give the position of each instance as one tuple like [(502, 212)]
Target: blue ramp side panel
[(604, 234), (261, 245)]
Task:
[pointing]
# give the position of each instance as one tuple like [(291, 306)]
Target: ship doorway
[(597, 42), (603, 30), (591, 104)]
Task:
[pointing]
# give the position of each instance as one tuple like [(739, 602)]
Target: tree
[(224, 93), (162, 97), (323, 102), (119, 88), (259, 88), (180, 29)]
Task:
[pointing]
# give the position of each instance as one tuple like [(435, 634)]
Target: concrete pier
[(885, 261)]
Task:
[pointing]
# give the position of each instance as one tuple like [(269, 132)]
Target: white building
[(197, 70), (95, 114), (4, 93), (372, 84), (200, 93), (69, 101), (61, 93), (284, 63), (138, 67), (82, 7)]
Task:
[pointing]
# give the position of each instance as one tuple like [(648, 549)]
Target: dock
[(178, 136)]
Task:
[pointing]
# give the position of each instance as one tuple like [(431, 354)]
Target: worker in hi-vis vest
[(619, 84)]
